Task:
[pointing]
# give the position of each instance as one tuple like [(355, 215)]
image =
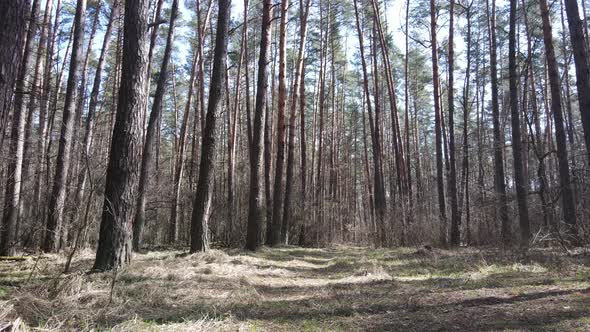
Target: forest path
[(303, 289)]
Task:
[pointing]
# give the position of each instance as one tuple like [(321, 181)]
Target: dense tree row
[(137, 123)]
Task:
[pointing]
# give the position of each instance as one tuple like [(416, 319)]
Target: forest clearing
[(304, 289), (294, 165)]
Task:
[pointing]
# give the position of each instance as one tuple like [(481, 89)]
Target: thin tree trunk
[(296, 93), (67, 237), (455, 218), (379, 195), (232, 135), (58, 196), (204, 194), (180, 154), (255, 196), (438, 127), (499, 177), (567, 196), (150, 136), (517, 153), (467, 104), (275, 235)]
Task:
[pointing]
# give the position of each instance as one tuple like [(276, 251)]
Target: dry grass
[(286, 289)]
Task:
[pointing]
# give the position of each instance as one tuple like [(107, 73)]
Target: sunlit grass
[(300, 289)]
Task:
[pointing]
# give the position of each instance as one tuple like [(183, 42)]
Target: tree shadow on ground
[(338, 288)]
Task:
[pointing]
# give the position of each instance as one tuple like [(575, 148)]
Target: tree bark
[(255, 199), (499, 176), (57, 200), (379, 194), (13, 16), (122, 179), (438, 127), (517, 153), (567, 196), (582, 69), (296, 93), (150, 136), (455, 218), (204, 194), (275, 235), (42, 83)]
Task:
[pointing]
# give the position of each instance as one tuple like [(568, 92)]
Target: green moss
[(4, 293)]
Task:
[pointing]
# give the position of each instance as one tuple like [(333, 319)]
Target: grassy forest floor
[(297, 289)]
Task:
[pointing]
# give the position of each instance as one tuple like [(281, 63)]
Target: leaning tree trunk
[(90, 117), (255, 201), (204, 194), (567, 196), (57, 200), (65, 236), (13, 15), (582, 69), (379, 194), (122, 178)]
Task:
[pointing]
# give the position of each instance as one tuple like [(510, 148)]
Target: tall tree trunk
[(204, 194), (499, 176), (199, 118), (122, 178), (247, 74), (36, 102), (156, 21), (438, 127), (90, 117), (582, 69), (180, 154), (150, 136), (398, 149), (302, 139), (57, 200), (517, 153), (407, 108), (375, 127), (66, 236), (233, 132), (567, 196), (13, 16), (296, 93), (535, 136), (275, 236), (43, 68), (255, 198), (379, 194), (569, 120), (467, 104), (318, 199), (455, 218)]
